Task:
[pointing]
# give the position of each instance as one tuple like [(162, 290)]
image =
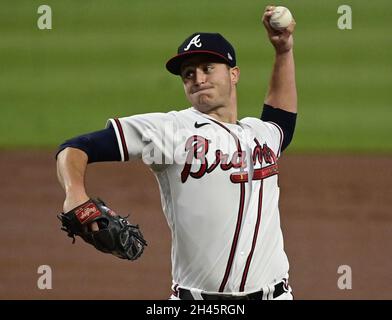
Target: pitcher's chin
[(204, 108), (204, 102)]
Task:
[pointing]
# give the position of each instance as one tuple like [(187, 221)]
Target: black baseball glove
[(115, 235)]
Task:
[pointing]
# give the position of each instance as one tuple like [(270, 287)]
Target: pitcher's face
[(208, 84)]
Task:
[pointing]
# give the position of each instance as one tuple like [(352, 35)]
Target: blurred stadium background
[(104, 59)]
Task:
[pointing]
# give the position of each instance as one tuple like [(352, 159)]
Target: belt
[(279, 289)]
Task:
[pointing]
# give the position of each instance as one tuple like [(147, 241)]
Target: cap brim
[(174, 64)]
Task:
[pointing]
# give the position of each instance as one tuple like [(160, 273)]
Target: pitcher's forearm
[(71, 170), (282, 91)]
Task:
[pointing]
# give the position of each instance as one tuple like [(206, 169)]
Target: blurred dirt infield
[(335, 210)]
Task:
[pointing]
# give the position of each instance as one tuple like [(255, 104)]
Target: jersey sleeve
[(277, 136), (284, 119), (269, 131), (145, 136)]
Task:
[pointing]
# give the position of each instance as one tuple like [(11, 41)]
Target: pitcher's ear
[(235, 74)]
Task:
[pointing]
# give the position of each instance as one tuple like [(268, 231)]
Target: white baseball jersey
[(219, 192)]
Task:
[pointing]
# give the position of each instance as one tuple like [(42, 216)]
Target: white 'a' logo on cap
[(195, 41)]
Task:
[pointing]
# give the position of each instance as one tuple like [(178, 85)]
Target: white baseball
[(281, 18)]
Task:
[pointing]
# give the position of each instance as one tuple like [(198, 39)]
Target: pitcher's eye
[(208, 68), (188, 74)]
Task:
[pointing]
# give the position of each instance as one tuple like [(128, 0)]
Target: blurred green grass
[(106, 59)]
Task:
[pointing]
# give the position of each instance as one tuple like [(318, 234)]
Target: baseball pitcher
[(217, 174)]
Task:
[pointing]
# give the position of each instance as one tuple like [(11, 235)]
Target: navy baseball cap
[(213, 44)]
